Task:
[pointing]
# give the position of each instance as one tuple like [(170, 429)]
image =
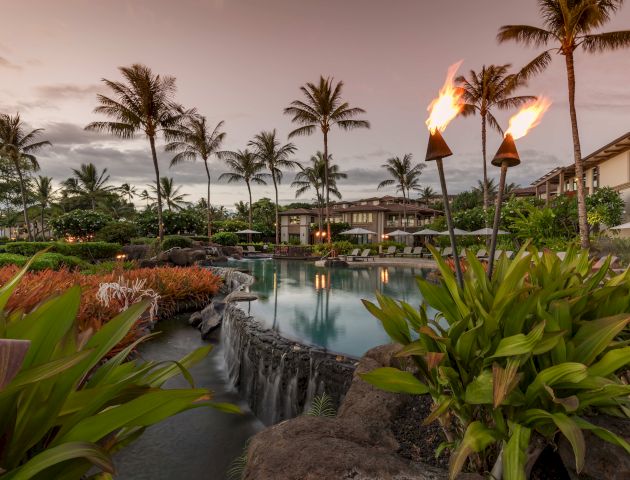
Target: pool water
[(322, 306)]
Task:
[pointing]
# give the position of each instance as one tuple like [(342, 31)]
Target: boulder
[(603, 460), (184, 257), (240, 296), (195, 319), (211, 317), (137, 252), (357, 444)]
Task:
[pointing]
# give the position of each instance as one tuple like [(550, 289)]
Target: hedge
[(45, 261), (176, 241), (89, 251)]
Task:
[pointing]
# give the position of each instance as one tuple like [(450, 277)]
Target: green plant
[(225, 238), (143, 241), (64, 406), (605, 206), (12, 259), (520, 357), (187, 221), (44, 261), (81, 224), (102, 268), (173, 241), (322, 406), (118, 232)]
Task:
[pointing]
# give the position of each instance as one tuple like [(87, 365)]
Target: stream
[(197, 444)]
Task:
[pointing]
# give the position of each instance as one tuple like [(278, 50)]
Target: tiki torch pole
[(507, 156), (437, 150)]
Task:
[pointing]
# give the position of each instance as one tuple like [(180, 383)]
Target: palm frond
[(322, 406), (604, 42), (525, 34)]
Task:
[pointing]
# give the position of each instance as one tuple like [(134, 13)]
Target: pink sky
[(243, 61)]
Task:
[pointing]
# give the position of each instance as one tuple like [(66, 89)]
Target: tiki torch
[(507, 156), (442, 110)]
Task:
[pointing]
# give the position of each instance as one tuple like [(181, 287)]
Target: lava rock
[(184, 257), (211, 317), (240, 297), (137, 252), (195, 319)]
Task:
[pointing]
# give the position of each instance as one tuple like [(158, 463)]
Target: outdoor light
[(507, 157), (442, 110)]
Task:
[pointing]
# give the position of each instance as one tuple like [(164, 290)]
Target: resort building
[(608, 166), (377, 214)]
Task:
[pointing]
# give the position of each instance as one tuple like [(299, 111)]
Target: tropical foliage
[(405, 176), (80, 224)]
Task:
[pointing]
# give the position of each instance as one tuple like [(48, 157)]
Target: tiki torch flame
[(447, 105), (528, 117)]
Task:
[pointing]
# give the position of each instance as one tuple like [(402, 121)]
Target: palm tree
[(275, 156), (129, 191), (143, 102), (169, 193), (18, 145), (193, 139), (44, 195), (323, 108), (88, 183), (571, 25), (144, 195), (245, 166), (427, 194), (492, 87), (405, 176), (488, 187), (314, 177)]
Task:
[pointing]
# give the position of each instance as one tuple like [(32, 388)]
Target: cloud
[(63, 133), (68, 91), (4, 63)]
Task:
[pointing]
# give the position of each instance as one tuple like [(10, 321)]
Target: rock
[(184, 257), (357, 444), (239, 296), (149, 263), (195, 319), (603, 460), (211, 317), (137, 252)]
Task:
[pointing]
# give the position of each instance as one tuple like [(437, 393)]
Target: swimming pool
[(322, 306)]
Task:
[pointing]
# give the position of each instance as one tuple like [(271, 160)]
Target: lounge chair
[(561, 255), (416, 252), (365, 255), (447, 252), (348, 258), (462, 253), (391, 252), (509, 254), (482, 254), (250, 249), (614, 262), (406, 251)]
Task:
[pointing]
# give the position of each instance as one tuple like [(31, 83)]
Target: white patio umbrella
[(358, 231), (488, 231), (621, 227), (426, 231), (247, 232), (398, 233), (457, 231)]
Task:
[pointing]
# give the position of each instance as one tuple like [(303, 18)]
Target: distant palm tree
[(314, 177), (242, 209), (427, 194), (169, 193), (323, 108), (245, 166), (193, 139), (144, 195), (129, 191), (88, 183), (143, 102), (275, 156), (18, 145), (510, 187), (405, 176), (490, 187), (570, 25), (492, 87), (44, 195)]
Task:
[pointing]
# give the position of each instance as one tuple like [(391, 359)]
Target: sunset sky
[(243, 61)]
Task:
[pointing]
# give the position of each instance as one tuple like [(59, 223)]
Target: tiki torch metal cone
[(437, 147), (507, 153)]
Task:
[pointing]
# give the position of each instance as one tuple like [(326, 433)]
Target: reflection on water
[(322, 306)]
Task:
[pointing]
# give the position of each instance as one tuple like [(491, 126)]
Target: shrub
[(65, 407), (605, 206), (52, 261), (531, 351), (143, 241), (86, 251), (188, 221), (118, 232), (81, 224), (12, 259), (173, 241), (107, 267), (225, 238)]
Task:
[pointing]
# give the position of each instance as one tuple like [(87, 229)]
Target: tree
[(88, 183), (193, 139), (245, 166), (488, 189), (18, 145), (169, 193), (405, 176), (323, 108), (275, 156), (605, 206), (427, 194), (144, 195), (129, 191), (264, 216), (492, 87), (570, 25), (142, 102), (314, 177), (44, 195)]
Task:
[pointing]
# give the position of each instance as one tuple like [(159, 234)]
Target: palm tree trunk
[(327, 197), (209, 212), (93, 203), (159, 193), (42, 220), (23, 192), (275, 186), (320, 214), (404, 211), (577, 154), (249, 190), (486, 197)]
